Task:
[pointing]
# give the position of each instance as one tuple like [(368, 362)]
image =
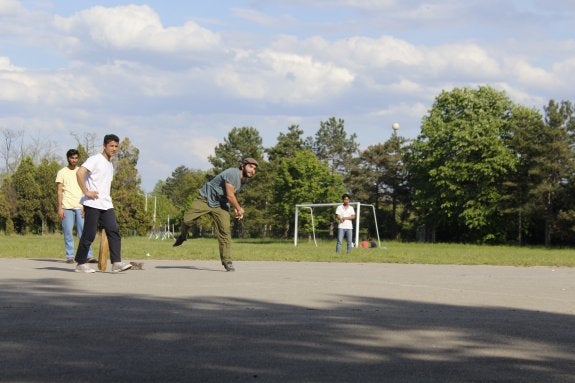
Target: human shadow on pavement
[(51, 333)]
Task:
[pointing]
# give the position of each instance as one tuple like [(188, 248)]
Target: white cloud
[(277, 76), (133, 27), (380, 52), (462, 60), (10, 7), (18, 85), (405, 86), (7, 66), (531, 76)]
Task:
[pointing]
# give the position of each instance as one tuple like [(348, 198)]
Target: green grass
[(137, 248)]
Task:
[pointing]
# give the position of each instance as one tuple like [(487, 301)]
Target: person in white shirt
[(345, 214), (95, 179), (70, 210)]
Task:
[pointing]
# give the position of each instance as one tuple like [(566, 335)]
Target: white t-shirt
[(99, 178), (71, 192), (345, 212)]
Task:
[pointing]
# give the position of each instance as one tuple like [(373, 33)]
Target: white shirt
[(99, 178), (345, 212)]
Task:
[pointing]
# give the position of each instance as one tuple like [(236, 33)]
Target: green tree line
[(483, 169)]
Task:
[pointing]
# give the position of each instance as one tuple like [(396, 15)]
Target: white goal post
[(357, 206)]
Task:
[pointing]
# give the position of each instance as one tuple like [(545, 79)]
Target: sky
[(176, 76)]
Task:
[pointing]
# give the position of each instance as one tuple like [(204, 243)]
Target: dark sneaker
[(229, 266), (92, 260), (179, 241)]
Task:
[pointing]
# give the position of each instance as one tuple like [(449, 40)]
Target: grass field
[(142, 248)]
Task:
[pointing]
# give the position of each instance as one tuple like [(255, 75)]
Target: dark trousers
[(106, 219)]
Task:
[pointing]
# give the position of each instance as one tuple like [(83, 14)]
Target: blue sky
[(176, 76)]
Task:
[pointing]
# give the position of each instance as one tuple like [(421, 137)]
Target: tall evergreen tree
[(8, 206), (48, 211), (28, 195), (527, 136), (381, 178), (333, 145), (555, 165), (288, 144), (240, 143)]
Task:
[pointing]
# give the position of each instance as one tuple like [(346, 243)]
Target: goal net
[(357, 206)]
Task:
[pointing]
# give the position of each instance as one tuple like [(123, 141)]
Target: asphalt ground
[(190, 321)]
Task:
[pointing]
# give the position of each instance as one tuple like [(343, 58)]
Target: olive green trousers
[(221, 219)]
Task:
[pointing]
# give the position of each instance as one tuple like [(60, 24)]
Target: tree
[(240, 143), (303, 179), (527, 135), (180, 189), (183, 186), (381, 177), (87, 143), (334, 146), (288, 144), (47, 212), (126, 190), (8, 206), (556, 163), (459, 162), (12, 149), (28, 195)]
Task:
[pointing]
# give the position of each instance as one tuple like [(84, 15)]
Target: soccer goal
[(357, 206)]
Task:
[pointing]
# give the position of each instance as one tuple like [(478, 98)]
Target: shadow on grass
[(52, 333)]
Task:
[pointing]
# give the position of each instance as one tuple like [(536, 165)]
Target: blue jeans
[(72, 217), (348, 233)]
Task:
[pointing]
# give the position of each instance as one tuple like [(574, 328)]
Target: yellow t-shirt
[(71, 192)]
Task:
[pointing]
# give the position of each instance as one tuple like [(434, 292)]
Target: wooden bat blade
[(104, 251)]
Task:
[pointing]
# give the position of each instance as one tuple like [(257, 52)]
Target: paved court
[(189, 321)]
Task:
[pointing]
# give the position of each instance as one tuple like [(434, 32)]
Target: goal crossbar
[(357, 206)]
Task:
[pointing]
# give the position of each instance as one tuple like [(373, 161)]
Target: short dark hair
[(72, 152), (111, 137), (345, 196)]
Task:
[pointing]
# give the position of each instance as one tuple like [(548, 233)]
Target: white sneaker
[(120, 266), (84, 268)]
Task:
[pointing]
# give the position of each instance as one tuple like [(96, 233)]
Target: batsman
[(95, 179)]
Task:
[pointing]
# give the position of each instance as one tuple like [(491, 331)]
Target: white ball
[(395, 126)]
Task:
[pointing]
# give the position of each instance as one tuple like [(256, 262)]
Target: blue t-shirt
[(214, 191)]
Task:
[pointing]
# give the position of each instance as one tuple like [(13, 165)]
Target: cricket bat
[(104, 253)]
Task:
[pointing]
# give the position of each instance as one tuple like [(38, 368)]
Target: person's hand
[(239, 213), (60, 213), (91, 194)]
